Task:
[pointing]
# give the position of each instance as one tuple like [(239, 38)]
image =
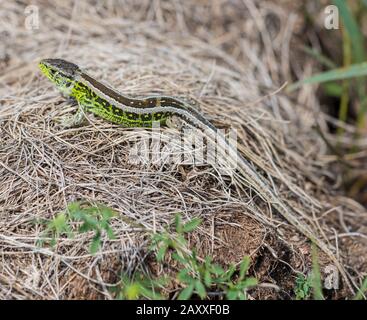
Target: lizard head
[(62, 73)]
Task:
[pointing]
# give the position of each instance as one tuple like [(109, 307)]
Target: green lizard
[(106, 102)]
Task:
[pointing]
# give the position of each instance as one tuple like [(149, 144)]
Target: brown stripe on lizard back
[(150, 103)]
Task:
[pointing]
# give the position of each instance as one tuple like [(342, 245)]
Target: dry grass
[(232, 57)]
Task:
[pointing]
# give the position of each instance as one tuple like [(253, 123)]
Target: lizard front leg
[(76, 119)]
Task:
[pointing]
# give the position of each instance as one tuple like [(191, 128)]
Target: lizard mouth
[(62, 81)]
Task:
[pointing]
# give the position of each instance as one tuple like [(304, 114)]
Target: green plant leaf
[(53, 242), (107, 212), (316, 275), (332, 89), (110, 233), (95, 244), (352, 71), (354, 31), (192, 225), (161, 252), (184, 276), (132, 291), (231, 294), (179, 241), (230, 271), (302, 287), (149, 293), (200, 289), (242, 295), (361, 291), (186, 293), (319, 57), (60, 223), (207, 278), (73, 207), (217, 270), (179, 258), (249, 282), (178, 223), (244, 267)]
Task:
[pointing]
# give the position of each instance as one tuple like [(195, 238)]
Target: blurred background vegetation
[(341, 54)]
